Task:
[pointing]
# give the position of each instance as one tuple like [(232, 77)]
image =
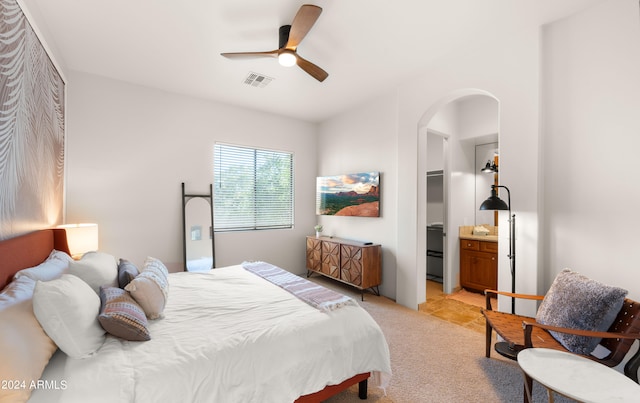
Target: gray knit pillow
[(127, 271), (575, 301)]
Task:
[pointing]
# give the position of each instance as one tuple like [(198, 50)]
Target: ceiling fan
[(290, 38)]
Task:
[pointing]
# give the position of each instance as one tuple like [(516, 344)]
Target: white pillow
[(24, 346), (55, 265), (68, 311), (96, 269), (150, 288)]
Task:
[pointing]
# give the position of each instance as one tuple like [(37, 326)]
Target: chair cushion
[(575, 301)]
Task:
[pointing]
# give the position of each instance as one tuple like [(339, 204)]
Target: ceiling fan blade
[(302, 23), (237, 55), (312, 69)]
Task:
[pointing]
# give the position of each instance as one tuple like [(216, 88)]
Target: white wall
[(130, 147), (435, 152), (507, 68), (478, 118), (590, 145), (589, 67), (362, 140), (505, 65)]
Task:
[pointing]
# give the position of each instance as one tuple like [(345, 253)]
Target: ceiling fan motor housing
[(283, 36)]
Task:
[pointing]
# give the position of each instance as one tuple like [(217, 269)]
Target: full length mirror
[(199, 251)]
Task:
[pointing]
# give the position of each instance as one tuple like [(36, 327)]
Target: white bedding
[(201, 264), (227, 336)]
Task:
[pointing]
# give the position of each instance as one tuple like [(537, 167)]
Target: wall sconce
[(81, 238), (491, 167)]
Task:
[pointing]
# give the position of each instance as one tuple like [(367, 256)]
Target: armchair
[(522, 332)]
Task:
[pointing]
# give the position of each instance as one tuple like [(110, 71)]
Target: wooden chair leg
[(528, 388), (550, 395), (489, 330)]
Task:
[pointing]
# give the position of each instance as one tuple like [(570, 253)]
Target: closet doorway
[(435, 208)]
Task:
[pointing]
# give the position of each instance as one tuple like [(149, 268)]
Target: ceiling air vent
[(257, 80)]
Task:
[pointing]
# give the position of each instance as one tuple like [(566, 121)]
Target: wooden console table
[(351, 262)]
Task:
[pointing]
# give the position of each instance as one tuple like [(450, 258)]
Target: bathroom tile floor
[(451, 310)]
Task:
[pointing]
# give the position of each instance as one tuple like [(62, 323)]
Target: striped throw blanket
[(313, 294)]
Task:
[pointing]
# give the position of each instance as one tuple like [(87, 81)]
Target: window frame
[(251, 221)]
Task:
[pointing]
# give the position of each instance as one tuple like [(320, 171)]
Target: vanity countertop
[(466, 232)]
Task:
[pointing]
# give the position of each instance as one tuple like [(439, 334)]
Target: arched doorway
[(465, 119)]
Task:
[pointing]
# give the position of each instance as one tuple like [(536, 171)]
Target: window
[(253, 188)]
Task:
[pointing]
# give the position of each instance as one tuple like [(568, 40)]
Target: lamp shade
[(81, 238), (494, 202)]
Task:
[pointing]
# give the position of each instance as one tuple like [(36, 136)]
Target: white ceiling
[(366, 46)]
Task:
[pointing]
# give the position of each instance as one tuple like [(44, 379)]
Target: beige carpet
[(436, 361)]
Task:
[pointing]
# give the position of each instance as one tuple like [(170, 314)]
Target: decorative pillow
[(575, 301), (121, 316), (96, 269), (127, 271), (25, 349), (68, 310), (150, 288), (55, 265)]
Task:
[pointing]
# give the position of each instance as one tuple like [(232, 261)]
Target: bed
[(223, 335)]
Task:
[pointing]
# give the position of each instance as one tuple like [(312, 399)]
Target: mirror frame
[(185, 199)]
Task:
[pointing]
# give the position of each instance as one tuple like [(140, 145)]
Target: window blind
[(253, 188)]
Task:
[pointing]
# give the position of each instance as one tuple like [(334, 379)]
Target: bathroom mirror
[(198, 242), (487, 152)]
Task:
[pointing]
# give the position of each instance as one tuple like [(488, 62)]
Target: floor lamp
[(495, 203)]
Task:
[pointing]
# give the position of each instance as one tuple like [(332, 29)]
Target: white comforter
[(227, 336)]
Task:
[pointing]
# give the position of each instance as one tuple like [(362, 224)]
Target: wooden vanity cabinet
[(478, 265), (350, 262)]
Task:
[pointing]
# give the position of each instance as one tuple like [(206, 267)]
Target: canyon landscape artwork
[(349, 195)]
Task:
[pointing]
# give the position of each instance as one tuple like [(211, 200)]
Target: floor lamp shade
[(495, 203), (81, 238)]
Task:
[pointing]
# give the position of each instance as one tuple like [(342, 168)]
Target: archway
[(465, 125)]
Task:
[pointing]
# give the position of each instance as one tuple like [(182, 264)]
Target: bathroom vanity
[(478, 259)]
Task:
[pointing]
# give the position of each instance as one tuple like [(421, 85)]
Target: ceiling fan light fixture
[(289, 38), (287, 58)]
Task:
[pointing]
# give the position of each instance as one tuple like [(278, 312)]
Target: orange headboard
[(29, 250)]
